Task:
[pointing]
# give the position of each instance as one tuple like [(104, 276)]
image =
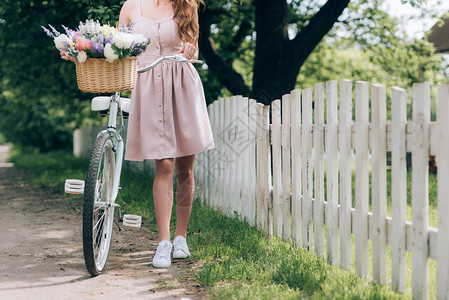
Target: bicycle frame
[(118, 142)]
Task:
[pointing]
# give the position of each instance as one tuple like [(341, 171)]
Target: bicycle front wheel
[(98, 209)]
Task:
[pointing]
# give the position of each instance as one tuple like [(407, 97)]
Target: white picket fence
[(273, 175)]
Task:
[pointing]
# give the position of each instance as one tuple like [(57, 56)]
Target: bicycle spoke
[(98, 236), (99, 232), (99, 220)]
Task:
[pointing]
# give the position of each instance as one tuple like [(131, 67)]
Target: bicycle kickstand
[(120, 219)]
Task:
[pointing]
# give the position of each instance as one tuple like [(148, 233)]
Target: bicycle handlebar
[(176, 57)]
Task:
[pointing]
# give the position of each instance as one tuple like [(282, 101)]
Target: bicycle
[(103, 178)]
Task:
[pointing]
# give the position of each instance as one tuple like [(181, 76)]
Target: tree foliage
[(372, 48), (279, 56), (40, 102)]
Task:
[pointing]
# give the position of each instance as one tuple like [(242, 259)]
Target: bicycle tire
[(98, 211)]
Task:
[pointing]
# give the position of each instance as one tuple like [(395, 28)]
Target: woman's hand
[(188, 50), (64, 56)]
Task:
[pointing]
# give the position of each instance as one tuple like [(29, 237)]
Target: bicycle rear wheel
[(98, 209)]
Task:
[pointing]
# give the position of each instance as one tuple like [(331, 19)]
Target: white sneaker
[(162, 258), (181, 250)]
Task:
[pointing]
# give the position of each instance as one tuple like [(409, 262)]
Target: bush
[(35, 124)]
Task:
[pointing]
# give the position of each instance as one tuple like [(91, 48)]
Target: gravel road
[(41, 251)]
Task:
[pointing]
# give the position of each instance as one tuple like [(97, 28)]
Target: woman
[(168, 119)]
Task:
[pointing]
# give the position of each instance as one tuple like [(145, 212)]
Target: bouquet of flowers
[(93, 40), (105, 58)]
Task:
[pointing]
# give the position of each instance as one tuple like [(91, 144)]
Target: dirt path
[(41, 251)]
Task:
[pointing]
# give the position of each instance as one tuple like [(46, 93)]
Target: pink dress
[(168, 116)]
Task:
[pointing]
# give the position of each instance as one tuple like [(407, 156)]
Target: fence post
[(398, 188), (307, 169), (332, 172), (443, 193), (214, 157), (251, 161), (261, 170), (277, 172), (217, 158), (223, 157), (240, 138), (420, 184), (268, 195), (286, 177), (345, 173), (379, 182), (234, 198), (245, 183), (361, 178), (295, 137), (318, 145), (227, 203), (207, 171)]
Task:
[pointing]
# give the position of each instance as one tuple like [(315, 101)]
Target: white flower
[(109, 53), (107, 30), (82, 56), (90, 28), (123, 40), (62, 42), (139, 38)]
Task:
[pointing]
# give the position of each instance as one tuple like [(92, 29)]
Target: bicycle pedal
[(74, 186), (132, 221)]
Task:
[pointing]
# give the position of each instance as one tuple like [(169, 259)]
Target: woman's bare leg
[(184, 192), (163, 196)]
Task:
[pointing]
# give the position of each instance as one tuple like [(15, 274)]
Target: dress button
[(160, 120), (159, 75), (160, 135), (157, 35), (160, 105), (159, 90), (157, 47)]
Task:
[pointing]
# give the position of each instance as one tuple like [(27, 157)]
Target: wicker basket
[(96, 75)]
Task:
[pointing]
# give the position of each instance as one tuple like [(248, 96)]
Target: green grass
[(165, 283), (236, 261), (51, 169)]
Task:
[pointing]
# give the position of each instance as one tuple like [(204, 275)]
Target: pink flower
[(82, 43)]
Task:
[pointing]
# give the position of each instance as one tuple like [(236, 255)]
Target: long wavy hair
[(185, 15)]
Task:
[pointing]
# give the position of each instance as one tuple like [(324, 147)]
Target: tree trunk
[(271, 28)]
